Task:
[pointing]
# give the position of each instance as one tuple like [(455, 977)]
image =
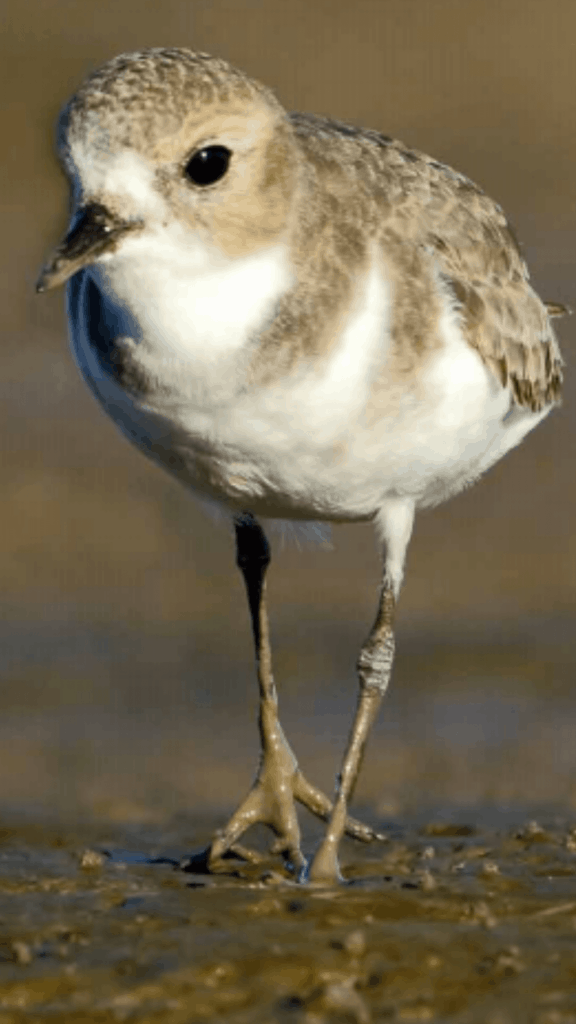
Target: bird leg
[(374, 670), (394, 523), (279, 781)]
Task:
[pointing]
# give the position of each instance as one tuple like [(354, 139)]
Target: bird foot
[(271, 802)]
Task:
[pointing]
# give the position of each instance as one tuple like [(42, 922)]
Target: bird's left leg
[(270, 800), (374, 669), (279, 782)]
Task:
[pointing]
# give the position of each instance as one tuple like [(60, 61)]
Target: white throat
[(187, 303)]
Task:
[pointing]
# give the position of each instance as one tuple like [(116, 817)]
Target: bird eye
[(208, 165)]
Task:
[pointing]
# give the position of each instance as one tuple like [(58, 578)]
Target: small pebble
[(428, 853), (23, 953), (342, 998), (91, 859), (355, 943), (480, 913), (489, 868), (427, 881), (532, 833)]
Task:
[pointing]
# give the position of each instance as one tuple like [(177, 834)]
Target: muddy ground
[(457, 917)]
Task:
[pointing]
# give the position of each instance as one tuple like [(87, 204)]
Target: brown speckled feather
[(431, 220)]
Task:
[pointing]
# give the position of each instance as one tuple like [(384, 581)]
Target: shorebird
[(299, 319)]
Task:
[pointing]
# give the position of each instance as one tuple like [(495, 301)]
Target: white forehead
[(124, 175)]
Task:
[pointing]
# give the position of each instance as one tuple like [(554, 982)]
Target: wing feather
[(480, 260), (433, 209)]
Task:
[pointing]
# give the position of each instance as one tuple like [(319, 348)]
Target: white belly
[(304, 447)]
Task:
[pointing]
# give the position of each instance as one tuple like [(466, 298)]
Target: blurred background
[(127, 679)]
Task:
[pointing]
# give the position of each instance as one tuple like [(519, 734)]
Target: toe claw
[(292, 855), (197, 863)]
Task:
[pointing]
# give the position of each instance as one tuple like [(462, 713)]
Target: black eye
[(208, 165)]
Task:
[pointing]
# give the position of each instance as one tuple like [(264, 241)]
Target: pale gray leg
[(279, 781), (374, 670)]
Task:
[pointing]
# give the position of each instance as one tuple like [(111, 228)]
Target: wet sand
[(464, 917)]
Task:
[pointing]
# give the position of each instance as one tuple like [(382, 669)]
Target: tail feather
[(557, 309)]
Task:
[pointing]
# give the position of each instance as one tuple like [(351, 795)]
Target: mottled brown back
[(418, 208)]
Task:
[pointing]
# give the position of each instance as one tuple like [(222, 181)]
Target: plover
[(299, 319)]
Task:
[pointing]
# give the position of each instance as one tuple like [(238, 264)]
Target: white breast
[(190, 305), (302, 447)]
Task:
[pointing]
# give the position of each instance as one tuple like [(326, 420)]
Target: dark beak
[(94, 231)]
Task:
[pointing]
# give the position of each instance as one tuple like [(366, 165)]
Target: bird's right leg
[(394, 522), (279, 782)]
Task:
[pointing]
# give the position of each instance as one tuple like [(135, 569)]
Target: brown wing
[(503, 317), (419, 207), (429, 208), (480, 261)]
